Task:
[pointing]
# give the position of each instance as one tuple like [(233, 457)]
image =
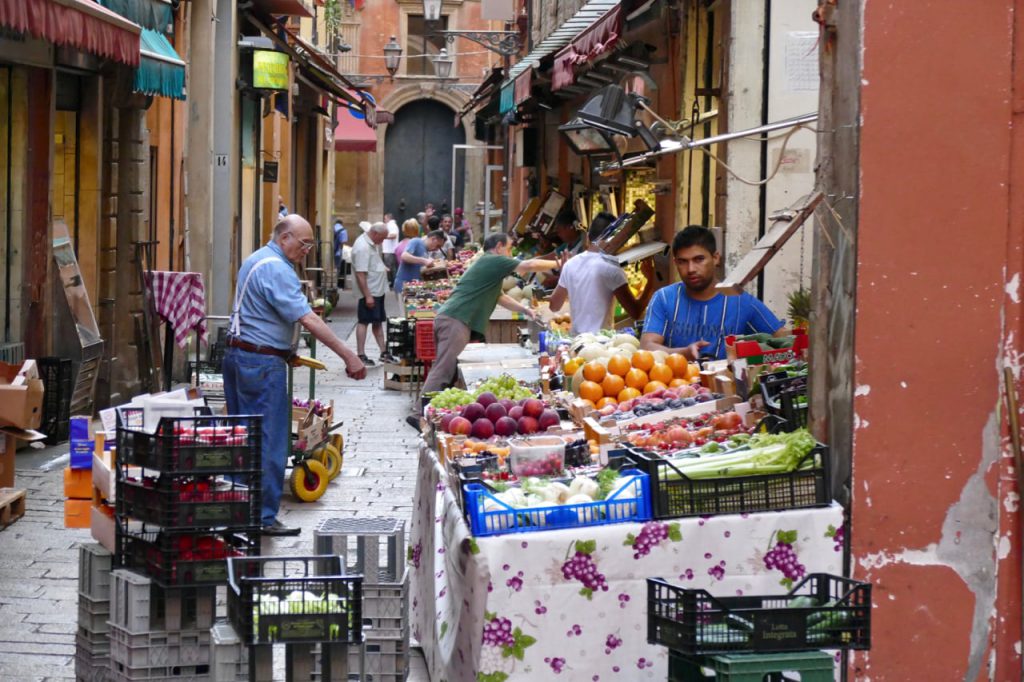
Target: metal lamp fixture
[(614, 111), (443, 64), (392, 56), (586, 140), (432, 10)]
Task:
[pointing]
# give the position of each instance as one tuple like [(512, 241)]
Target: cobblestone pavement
[(39, 559)]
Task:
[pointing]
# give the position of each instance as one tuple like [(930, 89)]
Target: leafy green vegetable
[(768, 454), (606, 480)]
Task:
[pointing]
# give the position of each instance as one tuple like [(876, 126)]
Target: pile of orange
[(624, 379)]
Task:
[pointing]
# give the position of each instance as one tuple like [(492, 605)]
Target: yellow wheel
[(309, 486), (329, 456)]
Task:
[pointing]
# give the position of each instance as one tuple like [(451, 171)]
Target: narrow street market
[(510, 340)]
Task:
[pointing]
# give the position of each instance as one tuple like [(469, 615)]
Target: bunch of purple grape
[(837, 538), (498, 632), (582, 567), (651, 535), (783, 558)]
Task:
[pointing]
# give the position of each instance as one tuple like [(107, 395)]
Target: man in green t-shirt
[(465, 314)]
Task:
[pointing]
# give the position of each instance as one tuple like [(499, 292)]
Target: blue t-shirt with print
[(407, 272), (682, 320)]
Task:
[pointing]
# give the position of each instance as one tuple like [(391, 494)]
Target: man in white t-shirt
[(372, 284), (387, 248), (591, 279)]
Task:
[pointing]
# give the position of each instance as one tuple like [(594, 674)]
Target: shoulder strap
[(236, 318)]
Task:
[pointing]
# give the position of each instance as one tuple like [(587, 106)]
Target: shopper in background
[(464, 316), (592, 279), (446, 249), (415, 255), (340, 241), (387, 248), (692, 317), (462, 228), (421, 219), (372, 284), (268, 308)]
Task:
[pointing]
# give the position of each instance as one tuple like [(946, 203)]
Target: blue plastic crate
[(630, 502)]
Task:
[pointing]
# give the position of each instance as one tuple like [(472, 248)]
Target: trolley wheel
[(309, 480), (329, 456)]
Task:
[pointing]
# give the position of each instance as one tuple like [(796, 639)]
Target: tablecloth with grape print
[(571, 604)]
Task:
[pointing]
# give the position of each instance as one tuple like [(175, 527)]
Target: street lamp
[(432, 10), (443, 64), (392, 56)]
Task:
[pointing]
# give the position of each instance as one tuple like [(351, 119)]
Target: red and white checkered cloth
[(179, 298)]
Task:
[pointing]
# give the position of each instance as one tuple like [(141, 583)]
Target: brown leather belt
[(235, 342)]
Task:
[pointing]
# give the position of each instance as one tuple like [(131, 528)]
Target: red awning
[(598, 38), (81, 24), (351, 134), (521, 87)]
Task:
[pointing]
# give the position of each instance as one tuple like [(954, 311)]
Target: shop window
[(422, 44)]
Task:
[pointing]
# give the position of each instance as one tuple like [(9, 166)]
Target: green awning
[(155, 14), (507, 97), (161, 71)]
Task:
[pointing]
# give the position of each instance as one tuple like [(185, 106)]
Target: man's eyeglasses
[(306, 244)]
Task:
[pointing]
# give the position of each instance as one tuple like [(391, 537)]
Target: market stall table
[(501, 608)]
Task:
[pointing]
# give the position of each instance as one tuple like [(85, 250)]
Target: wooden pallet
[(12, 506), (402, 377)]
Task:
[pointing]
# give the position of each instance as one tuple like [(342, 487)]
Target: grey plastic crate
[(138, 605), (387, 660), (229, 658), (159, 649), (371, 547), (386, 609), (94, 565), (184, 673), (92, 644), (92, 668), (93, 614)]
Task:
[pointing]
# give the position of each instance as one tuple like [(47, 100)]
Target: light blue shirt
[(273, 302), (407, 272)]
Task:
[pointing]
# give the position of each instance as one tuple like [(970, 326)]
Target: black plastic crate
[(294, 600), (786, 397), (192, 445), (822, 611), (401, 337), (674, 495), (174, 558), (58, 384), (189, 502)]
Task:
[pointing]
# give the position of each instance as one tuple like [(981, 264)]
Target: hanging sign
[(269, 70)]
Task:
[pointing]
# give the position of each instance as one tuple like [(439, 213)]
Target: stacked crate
[(375, 548), (92, 646), (187, 498)]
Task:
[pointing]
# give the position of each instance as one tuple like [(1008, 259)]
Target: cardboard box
[(103, 478), (101, 523), (77, 513), (10, 437), (21, 395)]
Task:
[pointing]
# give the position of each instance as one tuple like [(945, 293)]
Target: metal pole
[(708, 141)]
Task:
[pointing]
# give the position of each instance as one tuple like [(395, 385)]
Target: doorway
[(418, 157)]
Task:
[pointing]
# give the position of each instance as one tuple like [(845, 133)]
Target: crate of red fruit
[(494, 513), (425, 349), (181, 558), (182, 502), (294, 600), (538, 456), (822, 611), (190, 445), (727, 486)]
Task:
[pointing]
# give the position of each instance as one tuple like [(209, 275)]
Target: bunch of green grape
[(504, 386), (451, 398)]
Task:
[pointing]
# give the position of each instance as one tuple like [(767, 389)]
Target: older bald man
[(268, 308)]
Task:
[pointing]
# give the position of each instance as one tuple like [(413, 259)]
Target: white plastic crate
[(94, 565), (229, 661), (387, 660), (386, 609), (159, 649), (92, 668), (137, 605), (184, 673), (92, 644), (93, 614), (371, 547)]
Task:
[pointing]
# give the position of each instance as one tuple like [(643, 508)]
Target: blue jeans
[(258, 385)]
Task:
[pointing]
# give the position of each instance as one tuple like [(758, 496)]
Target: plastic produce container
[(542, 456)]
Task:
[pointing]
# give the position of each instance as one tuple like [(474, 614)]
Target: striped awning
[(155, 14), (161, 71), (81, 24)]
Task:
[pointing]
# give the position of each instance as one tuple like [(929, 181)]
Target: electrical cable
[(757, 183)]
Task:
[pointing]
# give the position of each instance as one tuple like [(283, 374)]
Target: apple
[(482, 429), (533, 407), (527, 425), (495, 411), (547, 419), (516, 411), (506, 426), (473, 411), (507, 403), (446, 420), (460, 426), (486, 398)]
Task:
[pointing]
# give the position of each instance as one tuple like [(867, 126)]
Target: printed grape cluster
[(498, 632), (781, 557), (582, 567)]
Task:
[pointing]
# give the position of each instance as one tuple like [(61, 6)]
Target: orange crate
[(78, 483), (77, 513), (425, 349)]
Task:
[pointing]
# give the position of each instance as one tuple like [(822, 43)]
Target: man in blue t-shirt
[(414, 257), (692, 317)]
